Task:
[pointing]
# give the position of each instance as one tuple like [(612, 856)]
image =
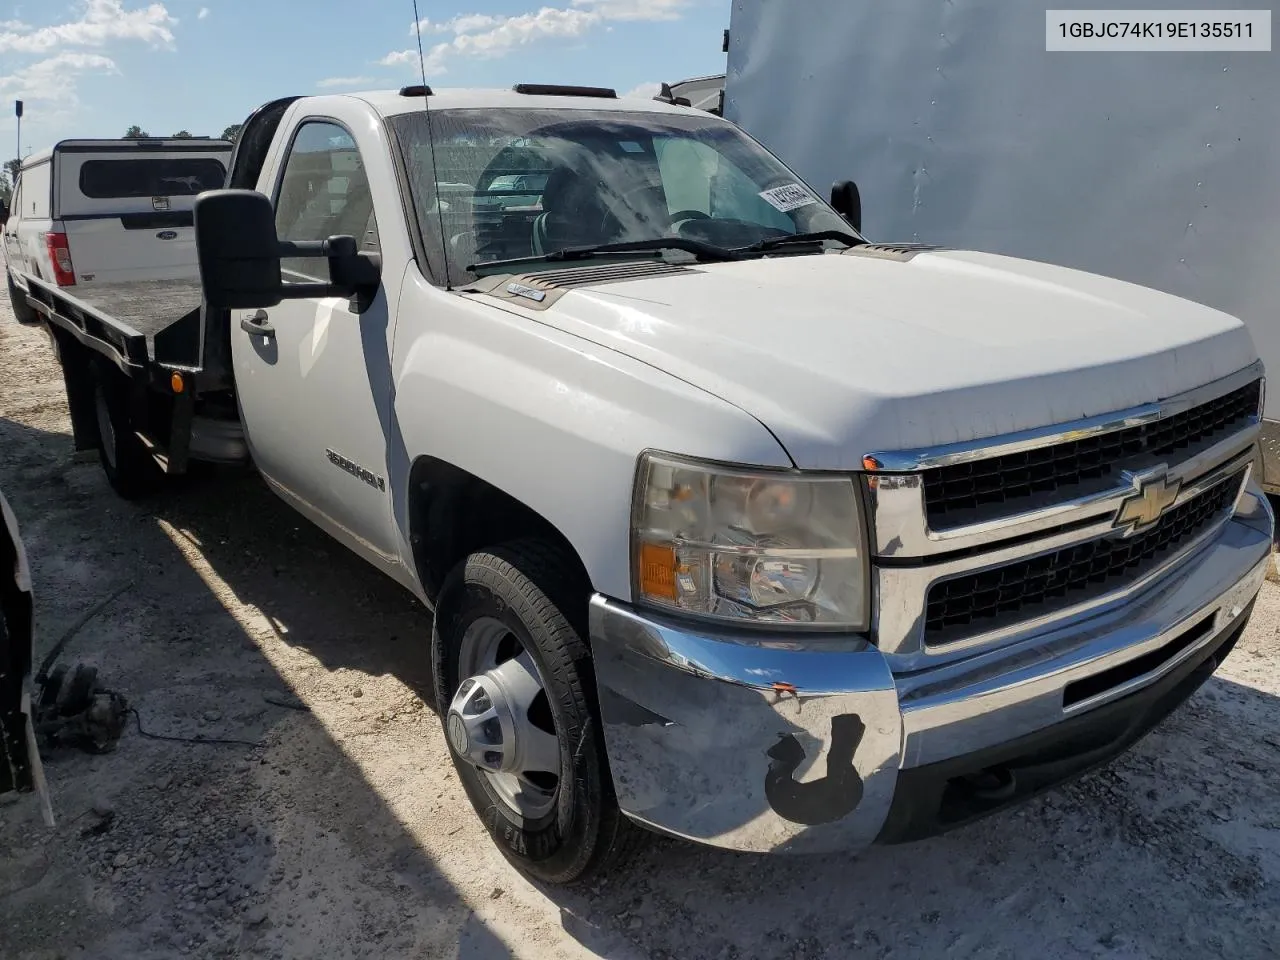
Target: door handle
[(255, 324)]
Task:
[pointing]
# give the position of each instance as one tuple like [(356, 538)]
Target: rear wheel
[(23, 311), (131, 470), (515, 692)]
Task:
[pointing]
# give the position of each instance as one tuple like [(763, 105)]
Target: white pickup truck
[(735, 525), (88, 212)]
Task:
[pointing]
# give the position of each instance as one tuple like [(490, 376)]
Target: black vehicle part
[(22, 311), (532, 588), (564, 90), (847, 201), (666, 96), (254, 142), (939, 797), (17, 766), (239, 255), (130, 468)]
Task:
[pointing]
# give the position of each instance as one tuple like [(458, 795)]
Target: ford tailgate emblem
[(167, 235)]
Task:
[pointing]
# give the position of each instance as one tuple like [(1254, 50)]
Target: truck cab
[(735, 524)]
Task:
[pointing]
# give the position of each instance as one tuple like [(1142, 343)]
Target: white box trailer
[(961, 129)]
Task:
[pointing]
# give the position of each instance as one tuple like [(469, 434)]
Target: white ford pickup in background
[(735, 525), (105, 211)]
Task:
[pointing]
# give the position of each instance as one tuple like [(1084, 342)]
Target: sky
[(93, 68)]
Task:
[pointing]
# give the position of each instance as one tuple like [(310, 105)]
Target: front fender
[(551, 419)]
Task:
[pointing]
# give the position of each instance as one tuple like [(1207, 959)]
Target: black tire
[(531, 587), (23, 311), (131, 470)]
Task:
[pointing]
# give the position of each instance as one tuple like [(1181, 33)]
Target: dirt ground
[(338, 830)]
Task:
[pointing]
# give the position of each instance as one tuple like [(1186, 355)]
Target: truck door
[(313, 375)]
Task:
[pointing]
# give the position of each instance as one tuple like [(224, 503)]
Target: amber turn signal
[(658, 571)]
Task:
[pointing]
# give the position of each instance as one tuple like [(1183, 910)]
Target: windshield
[(526, 183)]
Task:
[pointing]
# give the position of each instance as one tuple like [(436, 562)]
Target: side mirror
[(237, 249), (847, 202), (4, 213), (239, 256)]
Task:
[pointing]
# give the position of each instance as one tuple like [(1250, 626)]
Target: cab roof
[(394, 102)]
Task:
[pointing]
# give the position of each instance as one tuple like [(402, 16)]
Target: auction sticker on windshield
[(788, 197)]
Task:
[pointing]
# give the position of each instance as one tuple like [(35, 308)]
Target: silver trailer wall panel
[(961, 129)]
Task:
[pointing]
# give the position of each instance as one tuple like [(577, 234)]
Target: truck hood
[(842, 355)]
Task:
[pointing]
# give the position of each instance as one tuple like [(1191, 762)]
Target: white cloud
[(464, 23), (512, 32), (398, 57), (471, 22), (634, 9), (646, 91), (51, 80), (433, 59), (330, 82), (485, 36), (100, 22), (204, 12)]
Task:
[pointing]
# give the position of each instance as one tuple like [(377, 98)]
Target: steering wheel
[(689, 215), (632, 200)]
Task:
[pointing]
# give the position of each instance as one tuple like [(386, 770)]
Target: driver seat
[(573, 213)]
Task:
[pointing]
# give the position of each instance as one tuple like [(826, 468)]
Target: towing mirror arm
[(239, 256)]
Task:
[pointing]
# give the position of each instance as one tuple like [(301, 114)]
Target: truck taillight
[(63, 273)]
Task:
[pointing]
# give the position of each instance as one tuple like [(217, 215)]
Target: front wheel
[(515, 692)]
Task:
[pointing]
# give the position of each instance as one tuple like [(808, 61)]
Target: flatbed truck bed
[(171, 368), (129, 321)]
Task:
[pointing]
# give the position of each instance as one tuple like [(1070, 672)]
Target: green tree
[(231, 133), (135, 133), (183, 135), (6, 189)]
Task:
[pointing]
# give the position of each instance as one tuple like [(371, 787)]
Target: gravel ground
[(338, 830)]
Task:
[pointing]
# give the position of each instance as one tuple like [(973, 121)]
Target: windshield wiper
[(772, 243), (703, 251)]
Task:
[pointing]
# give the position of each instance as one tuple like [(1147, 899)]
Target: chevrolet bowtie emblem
[(1154, 493)]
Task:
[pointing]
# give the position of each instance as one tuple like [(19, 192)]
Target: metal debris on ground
[(73, 711)]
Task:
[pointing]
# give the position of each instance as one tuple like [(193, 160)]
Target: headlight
[(760, 546)]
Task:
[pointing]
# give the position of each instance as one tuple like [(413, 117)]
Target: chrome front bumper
[(750, 742), (1268, 466)]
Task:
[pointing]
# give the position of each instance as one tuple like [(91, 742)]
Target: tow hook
[(992, 783)]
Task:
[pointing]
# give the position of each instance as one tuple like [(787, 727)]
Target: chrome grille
[(1039, 585), (953, 493)]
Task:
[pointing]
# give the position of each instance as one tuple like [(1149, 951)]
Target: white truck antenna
[(431, 143)]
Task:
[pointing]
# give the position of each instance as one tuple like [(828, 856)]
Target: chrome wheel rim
[(500, 720)]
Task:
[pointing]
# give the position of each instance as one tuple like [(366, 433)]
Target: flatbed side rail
[(108, 336)]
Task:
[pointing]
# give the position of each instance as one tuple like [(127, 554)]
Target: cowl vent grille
[(568, 277), (890, 251), (540, 289)]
